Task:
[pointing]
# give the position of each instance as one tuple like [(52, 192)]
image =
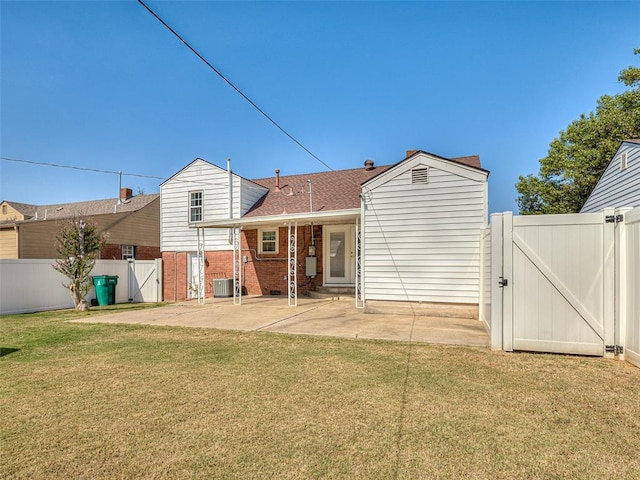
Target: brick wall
[(114, 252), (262, 273)]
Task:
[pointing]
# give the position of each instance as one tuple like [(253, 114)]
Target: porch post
[(201, 286), (292, 261), (237, 267), (359, 299)]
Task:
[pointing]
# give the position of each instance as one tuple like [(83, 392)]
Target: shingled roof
[(334, 190), (92, 207)]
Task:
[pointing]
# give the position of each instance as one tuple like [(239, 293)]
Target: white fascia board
[(428, 161), (334, 216)]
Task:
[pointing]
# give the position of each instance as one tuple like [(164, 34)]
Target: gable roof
[(24, 208), (617, 187), (333, 190), (89, 208)]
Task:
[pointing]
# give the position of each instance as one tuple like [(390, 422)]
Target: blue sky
[(103, 85)]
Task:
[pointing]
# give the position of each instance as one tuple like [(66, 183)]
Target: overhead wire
[(232, 85), (277, 125), (108, 172)]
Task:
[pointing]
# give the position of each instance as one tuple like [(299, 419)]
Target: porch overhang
[(292, 221), (328, 217)]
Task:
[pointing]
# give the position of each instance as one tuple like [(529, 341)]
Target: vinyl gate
[(553, 282), (145, 281)]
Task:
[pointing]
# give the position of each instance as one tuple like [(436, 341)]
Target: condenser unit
[(223, 287)]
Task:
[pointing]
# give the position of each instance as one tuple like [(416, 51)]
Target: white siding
[(251, 193), (617, 188), (423, 240), (485, 278), (176, 235)]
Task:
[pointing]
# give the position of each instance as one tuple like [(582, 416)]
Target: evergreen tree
[(79, 244)]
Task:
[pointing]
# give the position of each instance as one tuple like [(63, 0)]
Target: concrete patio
[(325, 317)]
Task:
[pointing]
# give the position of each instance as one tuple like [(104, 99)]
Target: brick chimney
[(411, 152), (125, 194)]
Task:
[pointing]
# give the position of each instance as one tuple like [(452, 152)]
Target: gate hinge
[(613, 218), (502, 282), (615, 349)]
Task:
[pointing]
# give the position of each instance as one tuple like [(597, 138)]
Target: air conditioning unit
[(223, 287)]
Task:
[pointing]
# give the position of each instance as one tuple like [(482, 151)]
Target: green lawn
[(123, 401)]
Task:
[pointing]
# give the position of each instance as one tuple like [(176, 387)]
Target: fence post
[(621, 289), (496, 273), (609, 277), (507, 290), (159, 279)]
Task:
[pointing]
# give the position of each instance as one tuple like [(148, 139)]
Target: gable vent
[(420, 175), (624, 160)]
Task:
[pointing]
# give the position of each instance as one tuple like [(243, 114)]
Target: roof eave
[(332, 216)]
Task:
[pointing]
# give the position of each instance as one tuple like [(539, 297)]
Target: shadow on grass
[(6, 351)]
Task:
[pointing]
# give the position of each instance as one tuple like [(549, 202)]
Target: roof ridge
[(321, 172)]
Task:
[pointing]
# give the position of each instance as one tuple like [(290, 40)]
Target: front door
[(339, 258)]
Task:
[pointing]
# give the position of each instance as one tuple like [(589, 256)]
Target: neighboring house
[(406, 232), (130, 225), (619, 185)]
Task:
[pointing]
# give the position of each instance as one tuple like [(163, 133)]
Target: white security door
[(339, 255), (193, 279)]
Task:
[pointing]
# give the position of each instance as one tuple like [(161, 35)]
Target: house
[(130, 225), (619, 185), (405, 232)]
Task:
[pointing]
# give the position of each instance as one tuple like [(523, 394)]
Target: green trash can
[(105, 289)]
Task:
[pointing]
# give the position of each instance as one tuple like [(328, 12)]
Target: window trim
[(192, 207), (127, 257), (261, 240)]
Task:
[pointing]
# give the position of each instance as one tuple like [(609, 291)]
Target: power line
[(108, 172), (73, 167), (251, 102)]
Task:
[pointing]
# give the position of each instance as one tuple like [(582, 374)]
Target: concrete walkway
[(332, 318)]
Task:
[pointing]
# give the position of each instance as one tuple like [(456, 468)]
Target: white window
[(268, 240), (128, 252), (195, 206)]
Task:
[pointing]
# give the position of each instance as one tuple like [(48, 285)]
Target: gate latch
[(502, 282)]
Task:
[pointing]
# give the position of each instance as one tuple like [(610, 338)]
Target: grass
[(133, 401)]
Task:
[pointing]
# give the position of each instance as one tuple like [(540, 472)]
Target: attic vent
[(420, 175), (624, 159)]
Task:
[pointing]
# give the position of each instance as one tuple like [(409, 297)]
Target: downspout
[(230, 180), (230, 188)]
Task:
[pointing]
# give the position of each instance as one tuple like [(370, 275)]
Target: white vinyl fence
[(33, 285), (629, 291), (564, 283)]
